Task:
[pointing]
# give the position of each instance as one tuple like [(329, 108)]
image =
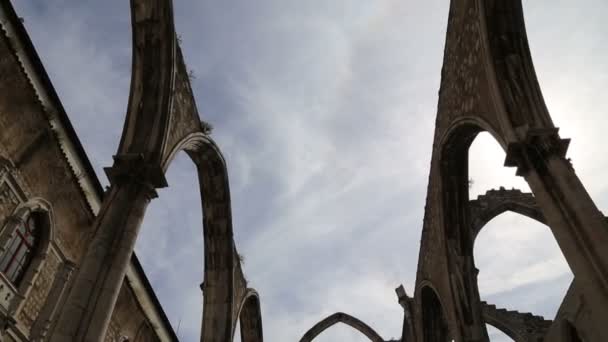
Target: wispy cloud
[(325, 112)]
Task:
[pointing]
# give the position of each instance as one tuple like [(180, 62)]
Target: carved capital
[(132, 168), (538, 146)]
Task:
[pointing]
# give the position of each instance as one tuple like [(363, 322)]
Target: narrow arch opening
[(434, 323), (249, 323), (455, 181), (170, 247)]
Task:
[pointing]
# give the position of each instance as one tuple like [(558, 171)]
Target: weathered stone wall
[(37, 297), (28, 141), (125, 324)]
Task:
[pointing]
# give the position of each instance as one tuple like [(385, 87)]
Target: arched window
[(20, 248)]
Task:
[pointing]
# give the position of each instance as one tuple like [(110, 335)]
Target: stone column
[(407, 332), (90, 304), (578, 226)]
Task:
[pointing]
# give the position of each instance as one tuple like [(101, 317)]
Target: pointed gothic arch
[(496, 202), (488, 83), (434, 323), (220, 293), (340, 317), (250, 318), (43, 212)]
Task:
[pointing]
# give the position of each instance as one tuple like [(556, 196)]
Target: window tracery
[(20, 248)]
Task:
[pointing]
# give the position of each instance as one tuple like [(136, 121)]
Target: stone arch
[(219, 284), (495, 202), (340, 317), (226, 296), (250, 317), (435, 327), (456, 239), (505, 328), (162, 119), (454, 176), (34, 206), (488, 83)]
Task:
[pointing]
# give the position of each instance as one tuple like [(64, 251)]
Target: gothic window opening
[(20, 249)]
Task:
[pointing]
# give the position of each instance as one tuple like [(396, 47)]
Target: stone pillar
[(41, 326), (578, 226), (407, 332), (91, 301)]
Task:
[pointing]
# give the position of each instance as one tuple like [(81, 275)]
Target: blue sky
[(324, 111)]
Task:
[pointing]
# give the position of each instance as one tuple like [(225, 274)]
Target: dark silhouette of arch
[(223, 285), (340, 317), (454, 173), (457, 246), (495, 202), (250, 317), (488, 83), (434, 323), (455, 177), (505, 328)]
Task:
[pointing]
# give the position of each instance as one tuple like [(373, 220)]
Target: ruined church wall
[(36, 167)]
